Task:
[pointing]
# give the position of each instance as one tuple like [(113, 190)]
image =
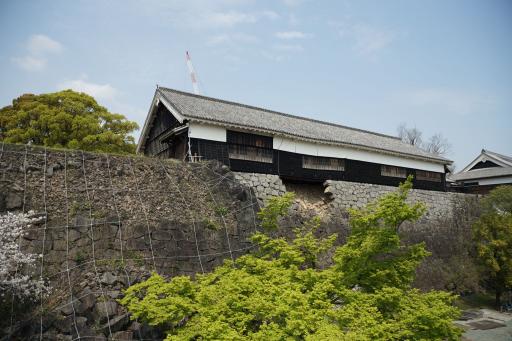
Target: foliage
[(281, 293), (453, 265), (66, 119), (373, 257), (498, 201), (221, 211), (492, 233), (276, 208), (13, 261)]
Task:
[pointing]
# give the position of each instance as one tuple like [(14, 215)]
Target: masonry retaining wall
[(346, 194), (264, 186)]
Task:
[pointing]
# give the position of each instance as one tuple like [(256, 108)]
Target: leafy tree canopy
[(66, 119), (492, 233), (281, 293)]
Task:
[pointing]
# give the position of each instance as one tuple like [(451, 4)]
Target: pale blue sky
[(442, 66)]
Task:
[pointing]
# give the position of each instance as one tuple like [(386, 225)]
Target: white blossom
[(15, 265)]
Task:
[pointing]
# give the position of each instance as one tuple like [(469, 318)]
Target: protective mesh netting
[(105, 222)]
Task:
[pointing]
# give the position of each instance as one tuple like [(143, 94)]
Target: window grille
[(323, 163), (248, 139), (396, 172), (428, 176), (250, 153)]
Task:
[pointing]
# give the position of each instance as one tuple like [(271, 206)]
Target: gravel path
[(486, 325)]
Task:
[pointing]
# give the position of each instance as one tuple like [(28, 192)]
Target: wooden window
[(236, 137), (241, 152), (428, 176), (250, 147), (322, 163), (396, 172)]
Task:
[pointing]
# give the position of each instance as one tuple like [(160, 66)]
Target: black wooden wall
[(289, 166), (162, 122), (285, 164)]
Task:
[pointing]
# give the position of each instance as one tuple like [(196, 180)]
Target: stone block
[(122, 336), (104, 309)]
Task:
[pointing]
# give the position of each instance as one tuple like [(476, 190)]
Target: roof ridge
[(506, 158), (278, 112)]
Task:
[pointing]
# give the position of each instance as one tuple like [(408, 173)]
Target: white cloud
[(293, 3), (30, 63), (292, 35), (230, 18), (232, 38), (219, 39), (366, 40), (369, 40), (289, 47), (272, 56), (39, 48), (293, 20), (269, 15), (40, 44), (98, 91), (201, 15), (444, 101)]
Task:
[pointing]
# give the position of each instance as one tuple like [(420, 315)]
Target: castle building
[(487, 171), (192, 127)]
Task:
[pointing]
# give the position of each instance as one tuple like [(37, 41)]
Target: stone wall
[(346, 194), (264, 185), (106, 222)]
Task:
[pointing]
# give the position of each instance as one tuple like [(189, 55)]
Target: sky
[(441, 66)]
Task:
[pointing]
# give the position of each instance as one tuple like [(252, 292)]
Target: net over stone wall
[(105, 222)]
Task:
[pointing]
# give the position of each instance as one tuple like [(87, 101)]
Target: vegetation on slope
[(281, 292), (492, 233)]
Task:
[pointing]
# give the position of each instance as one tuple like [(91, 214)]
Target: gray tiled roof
[(505, 158), (201, 108), (482, 173)]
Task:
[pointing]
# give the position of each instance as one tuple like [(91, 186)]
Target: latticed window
[(428, 176), (247, 139), (396, 172), (242, 152), (251, 147), (323, 163)]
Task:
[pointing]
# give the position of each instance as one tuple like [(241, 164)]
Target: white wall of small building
[(217, 133), (494, 181)]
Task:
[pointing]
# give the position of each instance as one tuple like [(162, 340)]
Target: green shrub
[(279, 293)]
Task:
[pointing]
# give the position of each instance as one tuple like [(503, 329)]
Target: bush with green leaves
[(66, 119), (492, 233), (280, 292)]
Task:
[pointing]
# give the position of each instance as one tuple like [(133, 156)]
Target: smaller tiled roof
[(504, 168), (215, 111), (504, 158), (482, 173)]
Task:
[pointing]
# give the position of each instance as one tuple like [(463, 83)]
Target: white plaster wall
[(216, 133), (495, 181), (309, 148), (207, 132)]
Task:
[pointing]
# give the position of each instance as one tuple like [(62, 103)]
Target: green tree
[(280, 292), (66, 119), (373, 257), (492, 233)]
